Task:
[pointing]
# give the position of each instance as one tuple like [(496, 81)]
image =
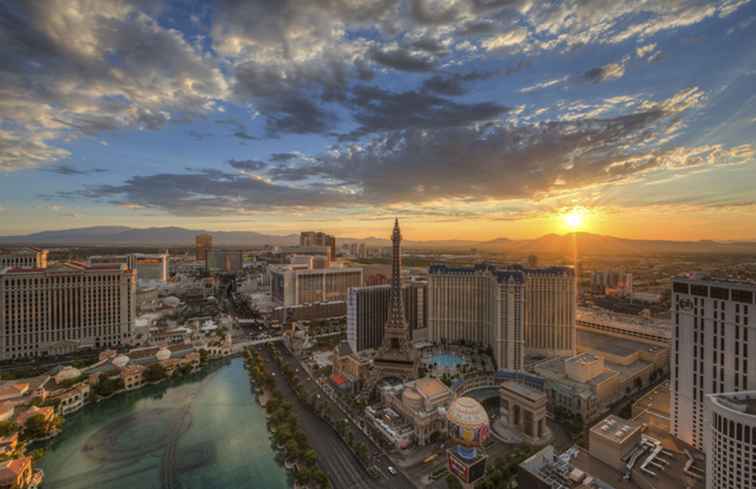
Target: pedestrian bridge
[(465, 386), (479, 382)]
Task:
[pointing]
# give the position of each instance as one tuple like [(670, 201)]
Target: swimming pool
[(447, 360)]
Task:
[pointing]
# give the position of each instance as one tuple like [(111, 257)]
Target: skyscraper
[(550, 306), (479, 305), (710, 348), (312, 238), (203, 243), (367, 313)]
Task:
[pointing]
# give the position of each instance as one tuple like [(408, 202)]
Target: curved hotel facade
[(514, 310), (730, 440), (59, 310)]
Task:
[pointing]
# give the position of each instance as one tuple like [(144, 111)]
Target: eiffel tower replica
[(396, 357)]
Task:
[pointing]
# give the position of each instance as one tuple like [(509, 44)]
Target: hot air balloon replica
[(468, 428)]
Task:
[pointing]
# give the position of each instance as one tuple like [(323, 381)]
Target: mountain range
[(585, 243)]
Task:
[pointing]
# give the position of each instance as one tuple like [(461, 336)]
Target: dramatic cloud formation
[(332, 104)]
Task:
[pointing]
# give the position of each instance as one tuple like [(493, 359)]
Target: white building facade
[(711, 353), (730, 440), (25, 258), (58, 310)]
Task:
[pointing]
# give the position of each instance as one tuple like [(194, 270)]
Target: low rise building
[(624, 326), (350, 368), (639, 363), (422, 405), (581, 384), (653, 409), (16, 473), (132, 376), (47, 413), (8, 444), (629, 460), (613, 439), (72, 399), (7, 409)]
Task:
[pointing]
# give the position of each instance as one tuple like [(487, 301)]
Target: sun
[(574, 219)]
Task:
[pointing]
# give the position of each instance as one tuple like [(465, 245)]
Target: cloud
[(413, 162), (68, 69), (378, 110), (455, 84), (67, 170), (509, 39), (608, 72), (649, 52), (283, 156), (403, 59), (611, 71), (248, 165), (544, 84), (207, 193), (20, 152), (198, 135)]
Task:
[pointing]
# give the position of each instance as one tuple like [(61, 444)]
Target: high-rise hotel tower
[(550, 307), (713, 348), (480, 305), (513, 310), (61, 309)]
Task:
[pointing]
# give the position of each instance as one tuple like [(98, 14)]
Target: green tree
[(154, 372), (7, 428), (36, 427), (310, 457)]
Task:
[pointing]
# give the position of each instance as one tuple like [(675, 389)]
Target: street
[(335, 458)]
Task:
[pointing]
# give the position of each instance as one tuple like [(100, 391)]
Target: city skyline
[(466, 119)]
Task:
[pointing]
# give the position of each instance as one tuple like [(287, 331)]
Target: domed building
[(67, 373), (468, 428), (121, 361), (163, 354), (468, 422), (420, 405)]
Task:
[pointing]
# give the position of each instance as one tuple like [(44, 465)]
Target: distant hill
[(550, 244), (162, 236)]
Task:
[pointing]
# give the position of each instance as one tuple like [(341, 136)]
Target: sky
[(467, 119)]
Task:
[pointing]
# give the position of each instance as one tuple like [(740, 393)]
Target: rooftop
[(523, 390), (615, 429), (620, 347), (624, 321), (11, 469), (656, 400), (578, 469), (744, 402), (430, 387)]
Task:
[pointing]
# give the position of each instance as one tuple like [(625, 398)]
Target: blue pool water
[(447, 360)]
